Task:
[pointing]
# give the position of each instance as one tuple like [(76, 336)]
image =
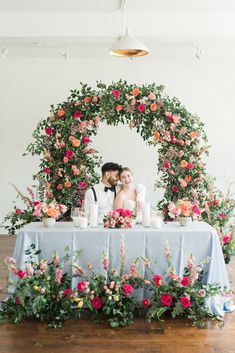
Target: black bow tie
[(111, 188)]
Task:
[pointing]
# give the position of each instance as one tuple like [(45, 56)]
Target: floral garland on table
[(43, 291), (119, 218), (69, 163)]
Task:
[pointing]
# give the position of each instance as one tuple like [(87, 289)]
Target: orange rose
[(193, 134), (60, 113), (183, 163), (156, 135), (67, 184), (135, 91), (188, 178), (87, 99), (76, 142), (153, 107), (119, 107), (52, 212)]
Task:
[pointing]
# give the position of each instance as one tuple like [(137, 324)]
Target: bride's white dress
[(140, 197)]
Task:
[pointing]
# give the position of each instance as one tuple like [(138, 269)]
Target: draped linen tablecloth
[(199, 239)]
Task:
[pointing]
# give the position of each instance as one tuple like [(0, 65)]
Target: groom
[(104, 193)]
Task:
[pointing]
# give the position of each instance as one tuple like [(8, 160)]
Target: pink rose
[(226, 238), (82, 286), (158, 280), (86, 139), (222, 216), (185, 281), (116, 93), (21, 274), (166, 164), (95, 99), (97, 303), (141, 107), (82, 185), (18, 211), (43, 290), (62, 144), (77, 114), (166, 299), (152, 96), (196, 210), (48, 131), (47, 170), (97, 120), (185, 302), (183, 184), (69, 154), (127, 289), (115, 214), (190, 166), (175, 188), (215, 202), (82, 124), (146, 303), (59, 187)]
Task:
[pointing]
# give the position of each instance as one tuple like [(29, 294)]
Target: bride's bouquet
[(119, 218)]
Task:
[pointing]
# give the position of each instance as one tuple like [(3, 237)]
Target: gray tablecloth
[(199, 239)]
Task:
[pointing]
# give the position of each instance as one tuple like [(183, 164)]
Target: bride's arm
[(118, 202)]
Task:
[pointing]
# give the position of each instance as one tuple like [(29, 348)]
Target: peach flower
[(193, 134), (119, 107), (76, 143), (152, 96), (60, 113), (87, 99), (153, 107), (135, 92), (65, 159), (156, 135), (188, 178), (183, 183), (97, 120), (82, 124), (67, 184), (52, 212), (183, 163)]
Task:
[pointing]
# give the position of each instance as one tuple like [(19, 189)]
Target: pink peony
[(82, 185), (222, 216), (65, 159), (226, 238), (158, 280), (185, 302), (127, 289), (190, 166), (146, 303), (141, 107), (185, 281), (97, 303), (48, 131), (86, 139), (77, 114), (116, 93), (82, 286), (69, 154), (166, 299)]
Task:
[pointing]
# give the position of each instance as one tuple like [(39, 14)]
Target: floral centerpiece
[(119, 218), (43, 209), (184, 210)]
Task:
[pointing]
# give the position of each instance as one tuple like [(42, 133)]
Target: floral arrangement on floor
[(68, 162), (42, 290), (183, 208), (119, 218)]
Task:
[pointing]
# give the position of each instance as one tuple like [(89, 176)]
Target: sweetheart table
[(199, 239)]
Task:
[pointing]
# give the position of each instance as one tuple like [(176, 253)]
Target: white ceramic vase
[(185, 221), (48, 222)]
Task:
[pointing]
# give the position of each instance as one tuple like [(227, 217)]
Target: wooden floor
[(171, 336)]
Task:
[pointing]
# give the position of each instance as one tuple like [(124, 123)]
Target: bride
[(130, 196)]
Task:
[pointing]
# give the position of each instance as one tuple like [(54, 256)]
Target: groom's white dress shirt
[(105, 199)]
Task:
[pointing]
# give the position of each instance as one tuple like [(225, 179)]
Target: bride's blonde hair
[(125, 169)]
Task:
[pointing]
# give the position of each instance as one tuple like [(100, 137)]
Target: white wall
[(29, 85)]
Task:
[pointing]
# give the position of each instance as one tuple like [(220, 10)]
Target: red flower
[(21, 274), (185, 302), (69, 154), (97, 303), (166, 299), (116, 93), (82, 185), (146, 303), (158, 280), (68, 291), (82, 286), (47, 170), (166, 164), (86, 139), (185, 281), (141, 107), (18, 211), (226, 238), (222, 216), (215, 202), (127, 289), (196, 210), (175, 188), (17, 300), (77, 114), (36, 203), (190, 166), (48, 131)]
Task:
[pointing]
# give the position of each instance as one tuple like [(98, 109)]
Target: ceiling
[(39, 27)]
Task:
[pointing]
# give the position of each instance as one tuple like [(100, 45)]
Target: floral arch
[(69, 162)]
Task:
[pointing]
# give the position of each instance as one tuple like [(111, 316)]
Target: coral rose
[(183, 163), (119, 107), (193, 134), (153, 107), (52, 212), (188, 178), (135, 92), (87, 99), (76, 142), (67, 184), (60, 113), (156, 136)]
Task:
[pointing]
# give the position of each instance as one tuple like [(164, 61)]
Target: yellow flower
[(116, 298), (77, 299), (80, 305), (36, 288)]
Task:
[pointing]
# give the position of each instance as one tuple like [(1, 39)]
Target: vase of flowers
[(48, 211), (119, 218), (184, 210)]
